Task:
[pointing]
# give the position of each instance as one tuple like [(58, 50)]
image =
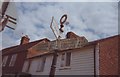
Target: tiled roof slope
[(22, 47)]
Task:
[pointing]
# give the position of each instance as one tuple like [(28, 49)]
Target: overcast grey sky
[(94, 20)]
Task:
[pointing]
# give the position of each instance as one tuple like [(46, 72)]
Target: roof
[(100, 40), (92, 43), (22, 47)]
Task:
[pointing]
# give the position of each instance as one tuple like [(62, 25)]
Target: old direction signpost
[(8, 15), (58, 44), (62, 21), (54, 26), (64, 44)]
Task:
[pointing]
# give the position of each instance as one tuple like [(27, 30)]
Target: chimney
[(72, 35), (25, 39)]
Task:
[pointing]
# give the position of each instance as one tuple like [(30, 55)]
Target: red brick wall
[(109, 56), (72, 35)]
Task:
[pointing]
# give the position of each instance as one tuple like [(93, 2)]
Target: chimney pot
[(25, 39)]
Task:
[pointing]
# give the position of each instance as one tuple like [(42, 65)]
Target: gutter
[(94, 60)]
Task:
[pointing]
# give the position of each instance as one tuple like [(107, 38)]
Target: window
[(68, 58), (65, 59), (13, 59), (4, 60), (26, 66), (41, 64)]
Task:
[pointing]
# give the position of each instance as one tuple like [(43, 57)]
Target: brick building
[(13, 57), (75, 56)]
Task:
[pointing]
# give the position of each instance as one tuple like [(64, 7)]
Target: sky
[(94, 20)]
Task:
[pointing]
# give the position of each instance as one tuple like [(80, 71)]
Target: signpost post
[(57, 32)]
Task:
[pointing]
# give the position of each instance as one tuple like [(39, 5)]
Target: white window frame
[(41, 65), (62, 64), (5, 58), (13, 60), (64, 59), (25, 66)]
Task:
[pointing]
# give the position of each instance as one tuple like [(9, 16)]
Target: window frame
[(68, 59), (4, 61), (41, 65), (13, 60), (65, 62), (26, 66)]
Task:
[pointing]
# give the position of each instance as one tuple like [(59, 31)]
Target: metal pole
[(53, 66)]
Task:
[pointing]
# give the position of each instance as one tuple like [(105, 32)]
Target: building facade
[(71, 56), (99, 57), (14, 57)]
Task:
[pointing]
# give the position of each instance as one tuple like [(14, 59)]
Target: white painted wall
[(82, 63)]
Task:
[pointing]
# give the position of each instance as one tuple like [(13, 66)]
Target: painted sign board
[(62, 44)]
